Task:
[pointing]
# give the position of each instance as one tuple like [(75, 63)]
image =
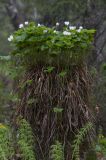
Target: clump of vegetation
[(6, 148), (102, 142), (79, 139), (26, 140), (100, 147), (48, 46), (57, 152), (54, 89)]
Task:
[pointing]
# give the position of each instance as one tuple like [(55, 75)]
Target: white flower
[(66, 23), (72, 27), (57, 24), (66, 33), (39, 24), (45, 31), (56, 32), (79, 30), (10, 38), (80, 27), (21, 26), (26, 23)]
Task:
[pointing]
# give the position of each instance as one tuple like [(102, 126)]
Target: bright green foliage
[(63, 74), (6, 150), (42, 45), (79, 138), (101, 145), (57, 152), (26, 141), (57, 109), (49, 69)]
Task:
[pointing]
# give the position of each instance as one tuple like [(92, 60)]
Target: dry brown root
[(48, 91)]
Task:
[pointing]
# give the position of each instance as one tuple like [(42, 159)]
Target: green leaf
[(21, 37), (29, 81), (49, 69), (62, 74), (57, 110), (98, 148)]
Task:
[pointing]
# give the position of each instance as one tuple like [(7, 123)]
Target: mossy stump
[(54, 91)]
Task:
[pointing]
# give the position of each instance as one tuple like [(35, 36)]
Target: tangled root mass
[(56, 107)]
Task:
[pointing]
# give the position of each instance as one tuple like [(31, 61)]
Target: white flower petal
[(9, 39), (57, 24), (56, 31), (39, 24), (80, 27), (26, 23), (66, 23), (79, 30), (66, 33), (72, 27), (21, 26)]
